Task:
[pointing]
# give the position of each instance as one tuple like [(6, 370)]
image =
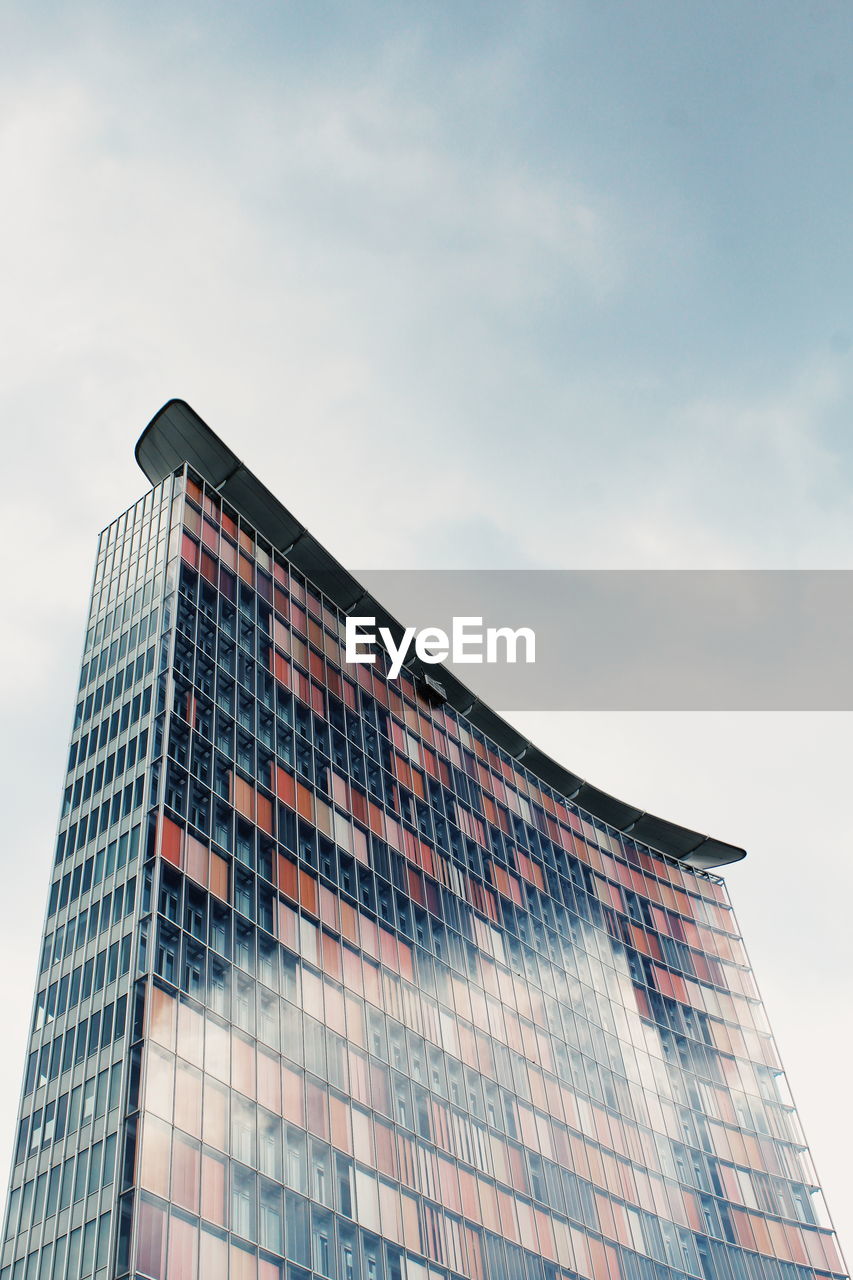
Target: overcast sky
[(472, 285)]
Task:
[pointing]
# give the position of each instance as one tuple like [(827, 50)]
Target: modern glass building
[(342, 978)]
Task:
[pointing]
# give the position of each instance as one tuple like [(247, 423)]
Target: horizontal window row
[(99, 821), (96, 823), (72, 1257), (141, 546), (85, 927), (99, 866), (117, 612), (130, 525), (125, 586), (85, 980), (101, 663), (103, 774), (342, 1253), (64, 1115), (58, 1188), (94, 703), (77, 1043), (123, 717)]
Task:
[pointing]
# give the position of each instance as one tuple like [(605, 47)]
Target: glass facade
[(331, 986)]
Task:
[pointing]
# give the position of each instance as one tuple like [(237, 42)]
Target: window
[(167, 955), (243, 1212), (295, 1171), (243, 1130), (271, 1223)]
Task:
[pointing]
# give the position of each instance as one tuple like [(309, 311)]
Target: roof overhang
[(176, 434)]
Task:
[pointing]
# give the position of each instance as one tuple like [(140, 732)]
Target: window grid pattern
[(413, 1014), (60, 1219), (333, 987)]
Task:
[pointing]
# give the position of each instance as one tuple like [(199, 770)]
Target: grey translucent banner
[(644, 640)]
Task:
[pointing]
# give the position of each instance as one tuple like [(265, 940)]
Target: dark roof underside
[(177, 435)]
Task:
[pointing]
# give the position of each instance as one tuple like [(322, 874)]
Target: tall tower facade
[(343, 979)]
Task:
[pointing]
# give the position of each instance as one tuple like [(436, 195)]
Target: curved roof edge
[(176, 434)]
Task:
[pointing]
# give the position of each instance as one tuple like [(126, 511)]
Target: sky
[(545, 285)]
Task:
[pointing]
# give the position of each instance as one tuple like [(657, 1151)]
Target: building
[(335, 984)]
